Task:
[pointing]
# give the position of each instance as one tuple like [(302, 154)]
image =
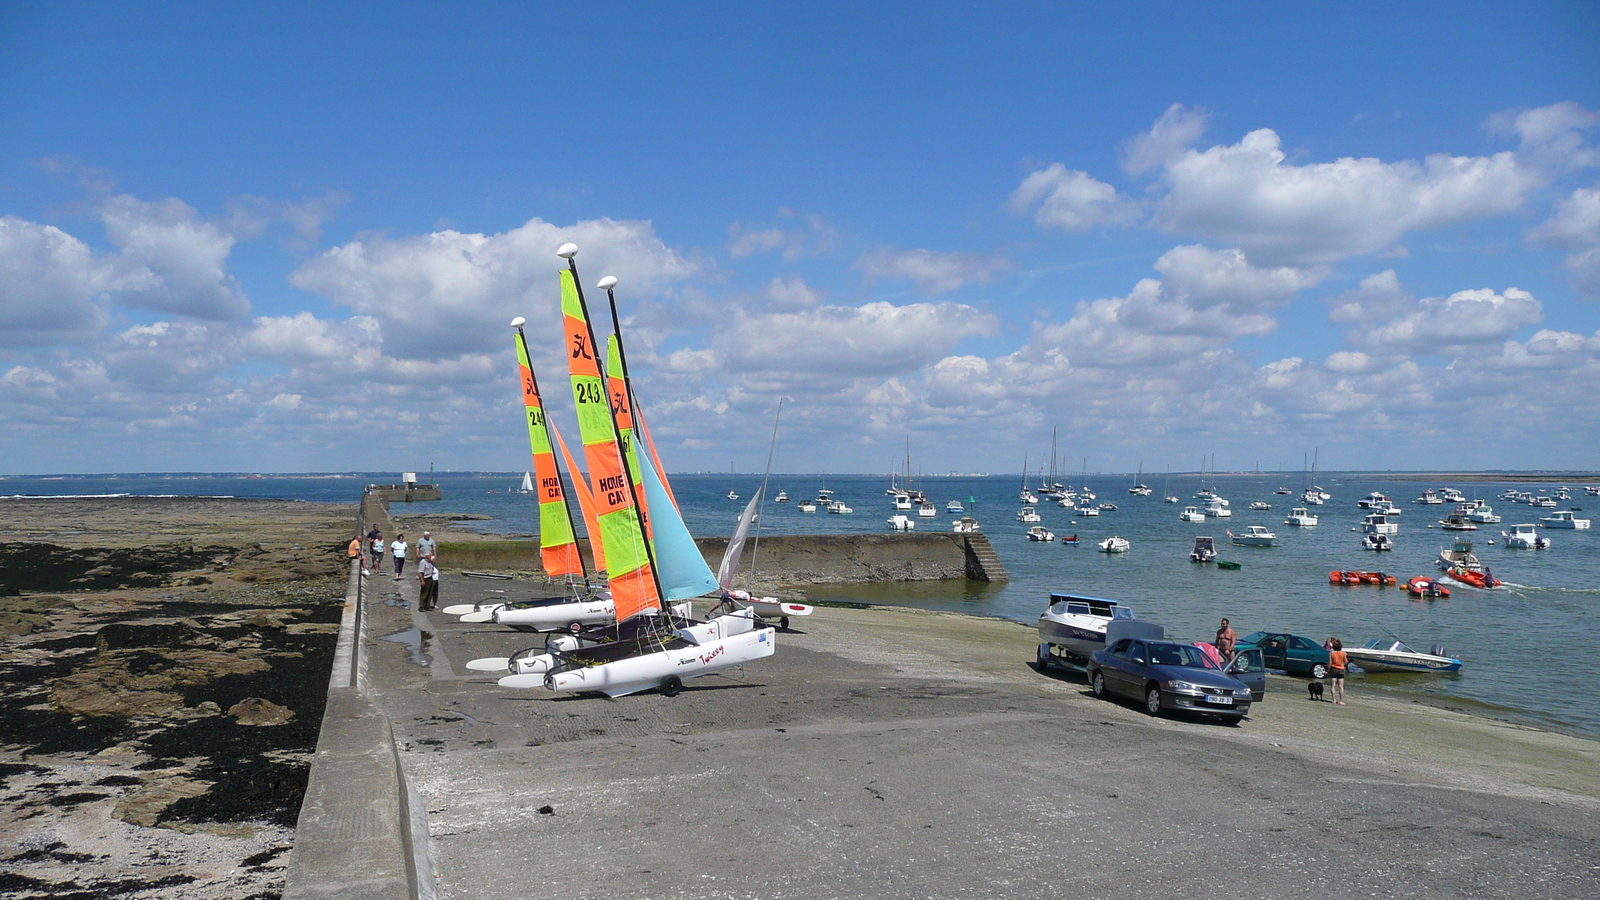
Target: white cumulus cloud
[(1177, 129), (1070, 200), (50, 284), (172, 261), (442, 294), (933, 272)]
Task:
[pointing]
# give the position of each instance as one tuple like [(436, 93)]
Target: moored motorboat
[(1430, 497), (965, 525), (1192, 514), (783, 497), (1525, 537), (1217, 508), (1564, 519), (1260, 505), (1299, 517), (1205, 550), (1458, 521), (1371, 500), (1378, 542), (1389, 655), (1378, 523), (898, 522), (1254, 536), (927, 510), (1028, 514), (1040, 535), (1483, 514), (1088, 509), (954, 506), (1114, 544)]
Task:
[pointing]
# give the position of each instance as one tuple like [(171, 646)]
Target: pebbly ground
[(160, 702)]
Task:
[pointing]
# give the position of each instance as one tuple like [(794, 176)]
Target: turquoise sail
[(683, 571)]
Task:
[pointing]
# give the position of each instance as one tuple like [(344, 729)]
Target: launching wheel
[(784, 622), (671, 685), (574, 627)]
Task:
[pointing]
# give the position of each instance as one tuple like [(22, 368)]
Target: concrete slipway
[(887, 754)]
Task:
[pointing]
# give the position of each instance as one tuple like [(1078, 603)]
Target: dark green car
[(1289, 652)]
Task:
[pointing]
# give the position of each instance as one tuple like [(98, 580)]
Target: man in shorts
[(1226, 638)]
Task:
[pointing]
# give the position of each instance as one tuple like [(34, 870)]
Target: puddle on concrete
[(416, 640)]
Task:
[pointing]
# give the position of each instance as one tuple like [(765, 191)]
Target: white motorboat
[(1088, 509), (1311, 498), (1114, 544), (1389, 655), (954, 506), (1170, 498), (1073, 627), (1430, 497), (1205, 550), (927, 510), (1041, 535), (1525, 537), (1217, 508), (839, 508), (1254, 536), (1564, 519), (1259, 505), (1372, 499), (782, 497), (1460, 556), (902, 501), (1108, 507), (1321, 494), (1192, 514), (1592, 490), (1378, 523), (1028, 514), (1458, 521), (1027, 496), (732, 496), (806, 506), (1376, 542), (1299, 516), (1388, 508), (1451, 495), (899, 522), (1483, 514), (1543, 502), (965, 525)]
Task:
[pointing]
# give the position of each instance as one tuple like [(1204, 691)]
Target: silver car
[(1167, 675)]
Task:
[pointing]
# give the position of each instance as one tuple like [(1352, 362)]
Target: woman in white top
[(398, 551)]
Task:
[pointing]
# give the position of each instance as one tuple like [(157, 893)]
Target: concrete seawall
[(791, 561)]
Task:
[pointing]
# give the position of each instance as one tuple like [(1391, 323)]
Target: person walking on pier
[(428, 575), (398, 551), (426, 548), (375, 538)]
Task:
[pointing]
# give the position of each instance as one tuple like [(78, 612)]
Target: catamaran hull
[(558, 615), (776, 609), (641, 673)]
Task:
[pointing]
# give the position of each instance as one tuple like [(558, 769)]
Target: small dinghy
[(1423, 586), (1377, 578)]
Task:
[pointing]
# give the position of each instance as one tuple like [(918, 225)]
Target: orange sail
[(585, 503), (634, 588), (558, 545)]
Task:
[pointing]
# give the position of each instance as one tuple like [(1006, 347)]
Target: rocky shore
[(163, 670)]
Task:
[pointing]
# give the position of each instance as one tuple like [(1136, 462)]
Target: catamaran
[(652, 559)]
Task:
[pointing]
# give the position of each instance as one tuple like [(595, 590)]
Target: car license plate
[(1223, 701)]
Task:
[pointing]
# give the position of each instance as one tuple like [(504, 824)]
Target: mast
[(568, 252), (755, 546), (538, 419)]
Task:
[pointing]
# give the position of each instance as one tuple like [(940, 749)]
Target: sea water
[(1527, 648)]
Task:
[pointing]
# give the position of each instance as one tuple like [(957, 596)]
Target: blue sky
[(288, 238)]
